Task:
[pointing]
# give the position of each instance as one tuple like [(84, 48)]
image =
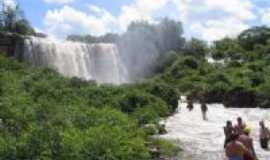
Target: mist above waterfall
[(111, 58), (143, 45)]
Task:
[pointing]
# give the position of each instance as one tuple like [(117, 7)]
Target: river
[(203, 140)]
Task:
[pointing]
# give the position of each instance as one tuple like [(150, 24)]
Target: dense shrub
[(164, 91), (190, 62), (46, 116), (240, 97), (263, 92), (216, 92)]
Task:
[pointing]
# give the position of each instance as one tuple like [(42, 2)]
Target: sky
[(205, 19)]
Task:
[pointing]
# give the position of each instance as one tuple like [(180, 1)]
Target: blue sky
[(206, 19)]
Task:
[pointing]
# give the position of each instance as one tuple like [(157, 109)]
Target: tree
[(81, 38), (11, 16), (254, 36), (169, 34), (196, 47), (12, 20), (107, 38), (227, 48), (23, 27)]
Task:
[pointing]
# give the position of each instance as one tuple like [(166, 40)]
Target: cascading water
[(100, 62), (203, 140)]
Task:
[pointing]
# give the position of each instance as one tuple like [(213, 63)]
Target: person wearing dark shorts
[(228, 131), (264, 135), (204, 110), (190, 105)]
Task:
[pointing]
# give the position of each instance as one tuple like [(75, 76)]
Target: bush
[(46, 116), (104, 143), (240, 97), (215, 93), (164, 91), (167, 148), (190, 62), (263, 95)]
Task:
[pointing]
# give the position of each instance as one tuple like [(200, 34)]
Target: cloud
[(10, 3), (212, 20), (241, 9), (265, 16), (208, 19), (213, 30), (139, 10), (69, 20), (98, 21), (59, 1)]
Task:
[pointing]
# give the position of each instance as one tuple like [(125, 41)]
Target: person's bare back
[(235, 148), (246, 141)]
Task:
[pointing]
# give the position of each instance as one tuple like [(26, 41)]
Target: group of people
[(238, 143), (204, 108)]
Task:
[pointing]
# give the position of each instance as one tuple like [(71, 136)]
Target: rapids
[(100, 62), (203, 140)]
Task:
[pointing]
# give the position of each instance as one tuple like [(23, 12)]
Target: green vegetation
[(12, 20), (241, 80), (166, 147), (46, 116)]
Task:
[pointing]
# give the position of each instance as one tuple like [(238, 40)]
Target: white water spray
[(100, 62), (203, 140)]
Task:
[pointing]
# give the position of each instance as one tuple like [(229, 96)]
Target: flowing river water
[(203, 140)]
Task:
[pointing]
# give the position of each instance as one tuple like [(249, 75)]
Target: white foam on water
[(204, 140)]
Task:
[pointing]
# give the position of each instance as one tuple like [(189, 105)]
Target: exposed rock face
[(9, 43)]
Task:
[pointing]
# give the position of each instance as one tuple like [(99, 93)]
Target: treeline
[(46, 116), (238, 76)]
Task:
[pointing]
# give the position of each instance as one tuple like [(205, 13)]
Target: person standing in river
[(239, 128), (264, 135), (190, 105), (228, 132), (247, 141), (235, 150), (204, 110)]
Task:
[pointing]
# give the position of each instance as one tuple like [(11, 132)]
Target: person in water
[(190, 105), (228, 131), (235, 150), (264, 135), (204, 109), (239, 128), (247, 141)]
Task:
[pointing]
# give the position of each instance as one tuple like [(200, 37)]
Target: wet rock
[(162, 129)]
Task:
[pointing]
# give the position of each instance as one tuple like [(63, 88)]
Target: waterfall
[(100, 62)]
